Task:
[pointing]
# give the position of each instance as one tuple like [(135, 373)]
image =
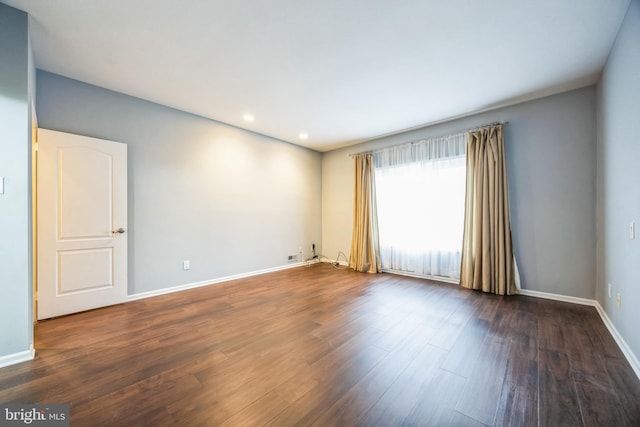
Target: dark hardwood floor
[(320, 346)]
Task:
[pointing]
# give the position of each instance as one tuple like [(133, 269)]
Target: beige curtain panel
[(365, 246), (487, 253)]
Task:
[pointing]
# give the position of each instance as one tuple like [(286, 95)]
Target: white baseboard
[(193, 285), (557, 297), (422, 276), (624, 347), (22, 356), (622, 344), (333, 261)]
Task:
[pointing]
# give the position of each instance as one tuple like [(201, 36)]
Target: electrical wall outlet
[(609, 290), (186, 264), (292, 258), (632, 230), (618, 300)]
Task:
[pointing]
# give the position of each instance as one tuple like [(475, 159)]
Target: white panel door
[(81, 223)]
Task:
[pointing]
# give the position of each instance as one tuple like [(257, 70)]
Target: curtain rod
[(431, 137)]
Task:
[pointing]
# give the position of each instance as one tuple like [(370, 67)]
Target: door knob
[(118, 231)]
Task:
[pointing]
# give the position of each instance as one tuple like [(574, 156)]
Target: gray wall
[(228, 200), (618, 198), (551, 166), (16, 93)]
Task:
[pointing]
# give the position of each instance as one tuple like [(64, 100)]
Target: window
[(420, 190)]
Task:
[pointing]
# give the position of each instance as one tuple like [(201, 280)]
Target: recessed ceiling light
[(248, 117), (303, 135)]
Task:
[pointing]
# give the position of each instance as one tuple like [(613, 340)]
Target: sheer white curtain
[(420, 191)]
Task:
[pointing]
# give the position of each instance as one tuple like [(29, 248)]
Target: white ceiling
[(343, 71)]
